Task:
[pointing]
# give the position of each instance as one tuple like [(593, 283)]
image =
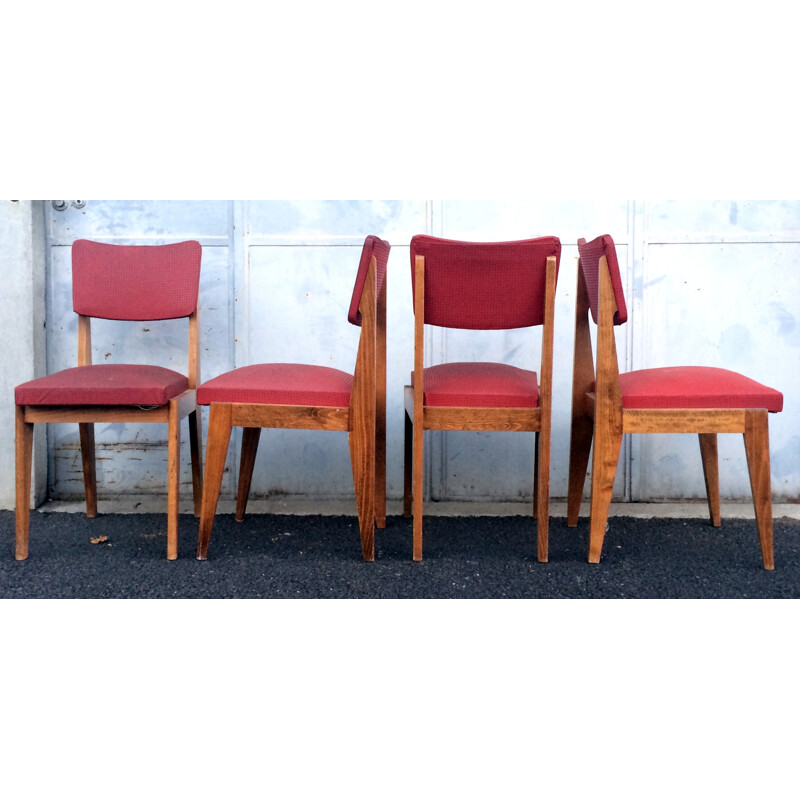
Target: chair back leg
[(24, 464), (607, 443)]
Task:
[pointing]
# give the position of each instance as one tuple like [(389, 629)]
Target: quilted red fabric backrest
[(135, 282), (373, 246), (484, 285), (591, 253)]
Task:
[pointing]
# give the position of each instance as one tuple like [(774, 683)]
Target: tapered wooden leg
[(708, 451), (195, 438), (173, 479), (24, 459), (756, 443), (536, 476), (250, 439), (543, 493), (380, 457), (607, 443), (362, 458), (417, 490), (580, 445), (408, 450), (219, 436), (86, 430)]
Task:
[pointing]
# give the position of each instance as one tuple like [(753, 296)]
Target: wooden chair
[(119, 282), (481, 286), (311, 397), (701, 400)]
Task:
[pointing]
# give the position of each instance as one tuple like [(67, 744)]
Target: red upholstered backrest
[(135, 282), (591, 253), (484, 285), (373, 246)]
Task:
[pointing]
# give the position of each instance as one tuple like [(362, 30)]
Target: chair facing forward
[(119, 282), (311, 397), (481, 286), (701, 400)]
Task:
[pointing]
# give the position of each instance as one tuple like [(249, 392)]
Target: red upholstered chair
[(119, 282), (481, 286), (311, 397), (701, 400)]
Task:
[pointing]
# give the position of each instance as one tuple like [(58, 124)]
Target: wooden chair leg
[(417, 461), (173, 479), (219, 436), (195, 438), (580, 446), (607, 443), (250, 439), (408, 450), (536, 476), (708, 451), (24, 464), (86, 430), (362, 458), (542, 469), (380, 462), (756, 443)]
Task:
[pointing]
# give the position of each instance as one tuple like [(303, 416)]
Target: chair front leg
[(756, 443), (408, 452), (24, 464), (173, 478), (195, 438), (708, 452), (86, 431), (219, 436), (580, 445)]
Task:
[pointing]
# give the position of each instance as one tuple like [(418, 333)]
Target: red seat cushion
[(103, 385), (695, 387), (480, 385), (279, 384)]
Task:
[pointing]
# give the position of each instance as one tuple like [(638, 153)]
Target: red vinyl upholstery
[(103, 384), (279, 384), (695, 387), (380, 249), (486, 285), (480, 384), (591, 253), (135, 282)]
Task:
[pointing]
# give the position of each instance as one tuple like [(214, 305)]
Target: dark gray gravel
[(465, 557)]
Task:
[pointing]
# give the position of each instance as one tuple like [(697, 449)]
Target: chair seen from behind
[(132, 283), (481, 286), (685, 399), (304, 396)]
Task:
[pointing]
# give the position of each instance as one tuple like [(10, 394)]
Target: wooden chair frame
[(420, 418), (598, 417), (364, 419), (86, 415)]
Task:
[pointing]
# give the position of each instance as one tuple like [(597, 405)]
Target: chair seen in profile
[(119, 282), (481, 286), (305, 396), (683, 399)]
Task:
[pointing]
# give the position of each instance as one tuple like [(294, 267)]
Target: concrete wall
[(712, 282), (22, 320)]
